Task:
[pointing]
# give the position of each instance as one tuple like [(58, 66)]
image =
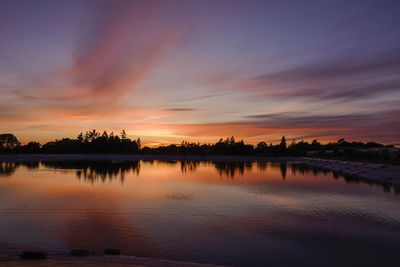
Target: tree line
[(94, 142)]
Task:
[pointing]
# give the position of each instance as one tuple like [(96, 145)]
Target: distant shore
[(122, 157)]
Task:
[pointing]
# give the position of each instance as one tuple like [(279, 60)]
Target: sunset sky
[(167, 71)]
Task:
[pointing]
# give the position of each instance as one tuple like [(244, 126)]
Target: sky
[(167, 71)]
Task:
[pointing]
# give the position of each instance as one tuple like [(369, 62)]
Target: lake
[(243, 213)]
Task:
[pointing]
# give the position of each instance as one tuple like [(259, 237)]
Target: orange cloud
[(113, 57)]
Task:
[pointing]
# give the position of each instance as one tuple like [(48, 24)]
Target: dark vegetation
[(94, 142)]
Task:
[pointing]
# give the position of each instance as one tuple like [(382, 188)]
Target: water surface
[(223, 213)]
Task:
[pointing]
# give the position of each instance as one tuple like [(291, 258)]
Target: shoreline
[(134, 157), (375, 172)]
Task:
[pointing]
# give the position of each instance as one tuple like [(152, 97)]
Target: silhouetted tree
[(94, 142), (262, 147), (8, 141), (80, 138), (31, 147), (123, 135), (283, 142)]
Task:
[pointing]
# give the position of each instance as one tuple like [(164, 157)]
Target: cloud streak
[(344, 78), (380, 125), (180, 109), (119, 48)]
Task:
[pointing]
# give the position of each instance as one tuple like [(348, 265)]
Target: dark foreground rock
[(112, 251), (34, 255), (79, 252)]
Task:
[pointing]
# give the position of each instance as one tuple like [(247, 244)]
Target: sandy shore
[(381, 173)]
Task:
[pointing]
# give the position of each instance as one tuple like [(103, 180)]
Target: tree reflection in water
[(189, 166), (100, 170), (8, 168), (230, 169)]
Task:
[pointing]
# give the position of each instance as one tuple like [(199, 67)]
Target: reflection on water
[(101, 170), (189, 166), (241, 213), (93, 171), (8, 168)]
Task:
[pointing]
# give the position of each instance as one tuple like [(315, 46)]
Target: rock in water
[(112, 251), (34, 255), (79, 252)]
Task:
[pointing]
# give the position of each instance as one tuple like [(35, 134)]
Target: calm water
[(224, 213)]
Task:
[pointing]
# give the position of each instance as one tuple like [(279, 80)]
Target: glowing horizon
[(168, 71)]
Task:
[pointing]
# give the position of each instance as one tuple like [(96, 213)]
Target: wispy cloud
[(379, 125), (344, 77), (180, 109), (115, 51)]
